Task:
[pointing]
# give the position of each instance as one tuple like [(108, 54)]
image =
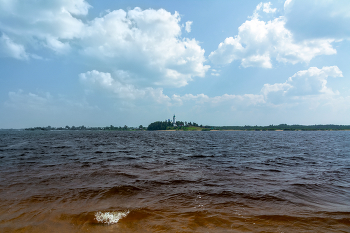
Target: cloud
[(257, 60), (152, 40), (40, 22), (100, 80), (286, 4), (56, 45), (277, 87), (311, 19), (226, 100), (8, 48), (305, 85), (114, 84), (215, 72), (116, 41), (313, 81), (21, 100), (188, 26), (267, 8), (258, 42)]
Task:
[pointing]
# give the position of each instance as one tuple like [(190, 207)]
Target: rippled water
[(233, 181)]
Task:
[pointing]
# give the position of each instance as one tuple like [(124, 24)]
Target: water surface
[(234, 181)]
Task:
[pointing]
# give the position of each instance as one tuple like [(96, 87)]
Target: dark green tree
[(158, 125)]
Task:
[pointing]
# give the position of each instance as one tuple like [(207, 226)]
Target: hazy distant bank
[(160, 126)]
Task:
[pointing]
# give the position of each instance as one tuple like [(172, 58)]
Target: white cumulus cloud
[(258, 42), (305, 84), (49, 23), (146, 43), (151, 39)]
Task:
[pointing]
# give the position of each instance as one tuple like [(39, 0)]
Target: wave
[(110, 217)]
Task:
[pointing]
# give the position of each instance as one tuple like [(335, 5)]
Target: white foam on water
[(110, 217)]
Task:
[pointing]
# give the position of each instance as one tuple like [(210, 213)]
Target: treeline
[(166, 125), (159, 125), (111, 127), (283, 127)]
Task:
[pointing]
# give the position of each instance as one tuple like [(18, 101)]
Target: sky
[(101, 63)]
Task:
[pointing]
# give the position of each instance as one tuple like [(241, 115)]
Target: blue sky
[(97, 63)]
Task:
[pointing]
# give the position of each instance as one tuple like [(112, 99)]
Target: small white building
[(174, 120)]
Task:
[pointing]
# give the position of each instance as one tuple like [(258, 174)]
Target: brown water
[(91, 181)]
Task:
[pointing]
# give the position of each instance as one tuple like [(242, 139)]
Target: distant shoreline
[(227, 130), (173, 130), (188, 126), (165, 126)]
